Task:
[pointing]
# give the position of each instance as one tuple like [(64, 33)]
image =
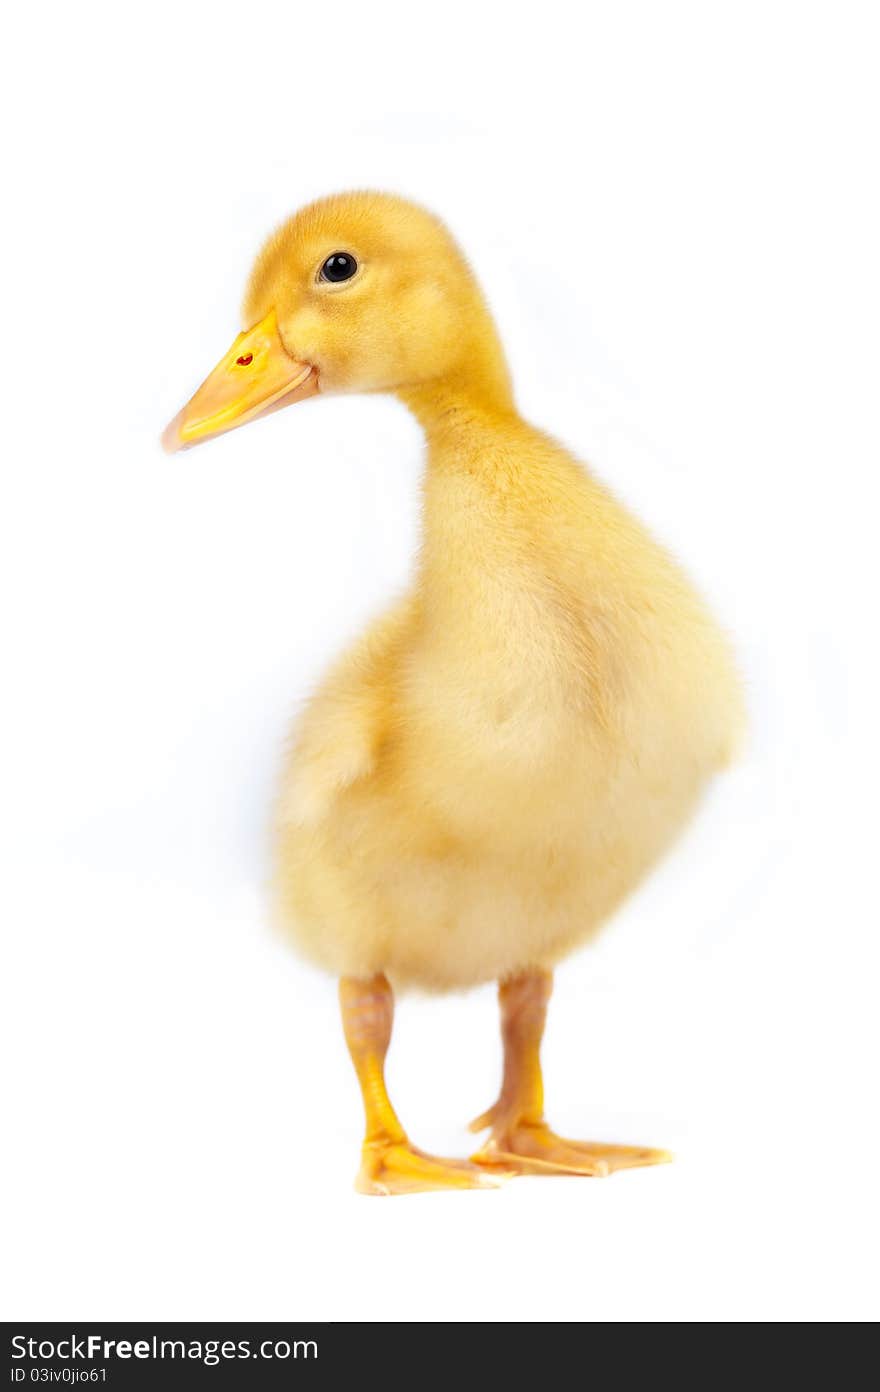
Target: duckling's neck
[(480, 472), (456, 406), (475, 389), (488, 475)]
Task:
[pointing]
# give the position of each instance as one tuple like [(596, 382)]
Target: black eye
[(340, 266)]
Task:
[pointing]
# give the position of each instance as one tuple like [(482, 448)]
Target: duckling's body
[(505, 753), (501, 758)]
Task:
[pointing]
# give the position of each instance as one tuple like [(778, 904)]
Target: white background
[(674, 211)]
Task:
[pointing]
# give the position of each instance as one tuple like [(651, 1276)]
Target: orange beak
[(256, 376)]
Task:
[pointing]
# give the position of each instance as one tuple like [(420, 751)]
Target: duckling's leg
[(520, 1139), (389, 1164)]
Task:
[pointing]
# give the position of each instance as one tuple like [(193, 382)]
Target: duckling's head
[(358, 292)]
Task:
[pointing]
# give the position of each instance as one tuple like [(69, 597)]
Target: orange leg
[(519, 1138), (389, 1163)]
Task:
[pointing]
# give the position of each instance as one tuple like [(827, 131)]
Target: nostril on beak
[(245, 360)]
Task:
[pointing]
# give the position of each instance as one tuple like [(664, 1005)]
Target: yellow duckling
[(503, 756)]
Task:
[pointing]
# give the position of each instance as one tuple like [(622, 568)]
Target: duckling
[(497, 763)]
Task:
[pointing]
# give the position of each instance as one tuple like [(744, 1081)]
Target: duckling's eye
[(340, 266)]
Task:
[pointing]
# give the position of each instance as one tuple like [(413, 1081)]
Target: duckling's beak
[(257, 375)]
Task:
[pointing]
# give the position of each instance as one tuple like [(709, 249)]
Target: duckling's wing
[(338, 739)]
